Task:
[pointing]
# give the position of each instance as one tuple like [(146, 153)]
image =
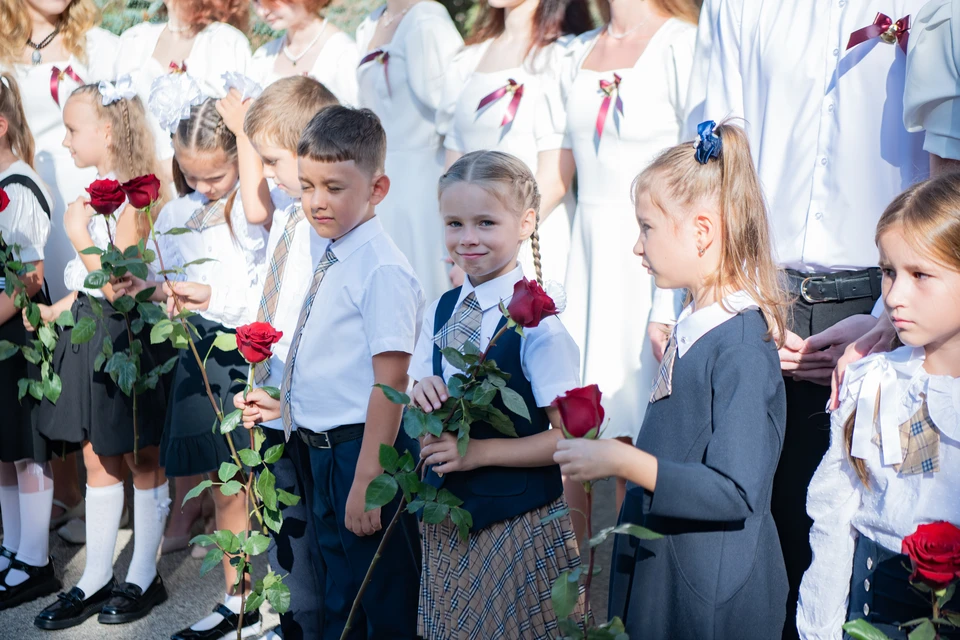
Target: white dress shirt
[(23, 222), (842, 508), (368, 303), (825, 124), (549, 356), (693, 325)]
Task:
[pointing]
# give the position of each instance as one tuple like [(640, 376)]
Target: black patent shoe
[(72, 608), (41, 582), (227, 628), (129, 602), (9, 555)]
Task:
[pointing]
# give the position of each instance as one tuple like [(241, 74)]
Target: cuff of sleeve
[(31, 254), (669, 488), (941, 145), (218, 302), (418, 372), (386, 345), (545, 395), (552, 142)]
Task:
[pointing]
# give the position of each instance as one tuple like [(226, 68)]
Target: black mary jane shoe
[(129, 602), (72, 608), (227, 628), (42, 581), (9, 555)]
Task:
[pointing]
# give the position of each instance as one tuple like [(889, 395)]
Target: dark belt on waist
[(835, 287), (335, 436)]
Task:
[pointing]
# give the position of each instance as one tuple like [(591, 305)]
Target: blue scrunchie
[(710, 143)]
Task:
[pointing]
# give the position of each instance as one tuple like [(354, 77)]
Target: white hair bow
[(247, 87), (171, 98), (113, 92)]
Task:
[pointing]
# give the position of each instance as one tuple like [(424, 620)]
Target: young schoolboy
[(357, 327)]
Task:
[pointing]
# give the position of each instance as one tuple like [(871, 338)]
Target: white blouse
[(932, 89), (24, 222), (894, 505), (335, 67), (235, 275), (101, 229)]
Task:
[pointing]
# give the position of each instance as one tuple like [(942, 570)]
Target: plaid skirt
[(496, 585)]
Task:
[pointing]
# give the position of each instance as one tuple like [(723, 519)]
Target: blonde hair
[(686, 10), (77, 19), (18, 131), (508, 179), (284, 110), (746, 263)]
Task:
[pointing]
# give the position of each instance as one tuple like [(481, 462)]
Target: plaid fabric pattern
[(496, 585), (920, 442), (210, 215), (271, 288), (463, 326), (325, 263), (663, 386)]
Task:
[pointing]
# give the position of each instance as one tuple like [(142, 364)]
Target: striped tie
[(325, 263), (271, 288), (210, 215), (463, 326), (664, 384)]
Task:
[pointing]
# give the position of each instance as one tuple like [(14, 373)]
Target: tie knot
[(328, 259)]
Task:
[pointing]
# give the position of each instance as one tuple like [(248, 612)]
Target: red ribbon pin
[(57, 76), (178, 68), (510, 87), (886, 29), (383, 57), (608, 88)]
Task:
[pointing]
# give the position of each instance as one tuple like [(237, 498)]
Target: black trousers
[(806, 441)]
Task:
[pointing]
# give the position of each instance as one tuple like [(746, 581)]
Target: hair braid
[(535, 246), (127, 132)]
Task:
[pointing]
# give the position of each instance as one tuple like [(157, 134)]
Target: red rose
[(255, 341), (934, 551), (4, 199), (105, 196), (142, 191), (580, 410), (530, 304)]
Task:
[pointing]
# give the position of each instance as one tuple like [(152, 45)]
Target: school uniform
[(235, 274), (911, 452), (364, 299), (496, 584), (718, 571)]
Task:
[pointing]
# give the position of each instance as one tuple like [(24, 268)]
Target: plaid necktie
[(463, 326), (325, 263), (271, 288), (663, 387), (210, 215), (920, 442)]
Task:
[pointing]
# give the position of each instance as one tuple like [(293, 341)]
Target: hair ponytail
[(18, 131)]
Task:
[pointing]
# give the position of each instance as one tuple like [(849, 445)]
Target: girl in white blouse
[(894, 457)]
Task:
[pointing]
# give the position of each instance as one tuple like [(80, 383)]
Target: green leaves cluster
[(922, 628)]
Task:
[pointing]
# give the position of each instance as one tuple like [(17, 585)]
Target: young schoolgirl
[(311, 46), (26, 479), (895, 439), (701, 473), (106, 129), (489, 203)]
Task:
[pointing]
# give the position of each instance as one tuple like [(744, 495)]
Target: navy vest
[(492, 494)]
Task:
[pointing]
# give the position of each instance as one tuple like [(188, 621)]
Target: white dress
[(609, 293), (419, 55), (534, 128), (24, 222), (53, 162), (218, 49), (335, 67)]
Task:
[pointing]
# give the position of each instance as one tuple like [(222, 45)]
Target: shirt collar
[(492, 292), (693, 325), (356, 238)]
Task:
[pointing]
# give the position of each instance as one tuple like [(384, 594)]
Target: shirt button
[(830, 107), (210, 248), (869, 564), (823, 161), (843, 3), (866, 585), (203, 278), (836, 52), (866, 609), (683, 341), (818, 215)]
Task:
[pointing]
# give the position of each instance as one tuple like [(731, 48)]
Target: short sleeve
[(454, 81), (102, 55), (680, 69), (421, 365), (344, 80), (932, 87), (390, 306), (551, 120), (550, 360), (431, 45), (25, 223)]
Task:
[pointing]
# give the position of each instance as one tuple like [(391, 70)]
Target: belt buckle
[(803, 287), (323, 441)]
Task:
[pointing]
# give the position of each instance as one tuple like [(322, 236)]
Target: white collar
[(491, 293), (356, 238), (693, 325)]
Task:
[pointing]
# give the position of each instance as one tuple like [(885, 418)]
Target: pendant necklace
[(621, 36), (389, 21), (36, 58), (296, 58)]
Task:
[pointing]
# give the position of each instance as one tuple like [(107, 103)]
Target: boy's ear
[(381, 187), (528, 224)]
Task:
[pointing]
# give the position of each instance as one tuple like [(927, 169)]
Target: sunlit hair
[(18, 131), (927, 215), (506, 178), (675, 182), (200, 13), (312, 6), (341, 134), (686, 10), (79, 17), (552, 19), (281, 113)]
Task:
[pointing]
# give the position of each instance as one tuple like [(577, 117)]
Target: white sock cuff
[(102, 492), (232, 602)]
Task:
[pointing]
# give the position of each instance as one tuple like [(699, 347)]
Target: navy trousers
[(389, 607), (294, 551)]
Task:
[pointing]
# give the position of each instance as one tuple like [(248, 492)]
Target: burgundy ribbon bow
[(608, 88), (383, 57), (510, 87), (57, 76), (178, 68), (886, 29)]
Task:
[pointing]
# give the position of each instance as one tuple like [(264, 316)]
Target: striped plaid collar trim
[(490, 293)]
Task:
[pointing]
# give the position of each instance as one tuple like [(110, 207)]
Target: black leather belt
[(335, 436), (835, 287)]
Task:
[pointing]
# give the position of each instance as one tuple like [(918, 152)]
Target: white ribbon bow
[(882, 380), (247, 87), (172, 96), (114, 92)]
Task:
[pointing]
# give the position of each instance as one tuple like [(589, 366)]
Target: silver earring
[(700, 251)]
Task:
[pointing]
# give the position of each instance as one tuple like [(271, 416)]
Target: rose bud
[(255, 341), (530, 304), (580, 410), (105, 196), (142, 191)]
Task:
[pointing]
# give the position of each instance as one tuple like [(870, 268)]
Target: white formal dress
[(405, 92), (533, 129), (610, 295), (335, 66), (54, 165)]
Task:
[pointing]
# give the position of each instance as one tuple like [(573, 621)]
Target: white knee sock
[(35, 534), (104, 507), (10, 513), (150, 509)]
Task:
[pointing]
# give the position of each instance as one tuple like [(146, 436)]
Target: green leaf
[(84, 330), (168, 366), (393, 395), (455, 358), (131, 252), (380, 492), (23, 386), (144, 296), (286, 498), (65, 319), (177, 231), (33, 315), (8, 349), (409, 484), (227, 540), (926, 631), (428, 492), (231, 421), (555, 515), (946, 596), (463, 439), (225, 341), (253, 602), (36, 389), (199, 261), (124, 304), (415, 505), (99, 361), (151, 313), (514, 402), (211, 560), (499, 421), (564, 595), (863, 630), (91, 251), (32, 355), (258, 439), (96, 306), (279, 597), (485, 396), (461, 517), (273, 392), (227, 471), (161, 331), (455, 386), (433, 424), (249, 457), (273, 453), (52, 387), (231, 488), (273, 519), (434, 512), (96, 279), (447, 498), (413, 423), (197, 490), (203, 540), (138, 268), (389, 457), (256, 544), (47, 336), (136, 325), (266, 486), (470, 349), (406, 463), (635, 530)]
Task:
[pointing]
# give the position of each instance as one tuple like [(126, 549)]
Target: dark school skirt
[(192, 443), (92, 408), (19, 438)]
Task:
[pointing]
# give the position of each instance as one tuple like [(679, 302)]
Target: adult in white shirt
[(824, 113)]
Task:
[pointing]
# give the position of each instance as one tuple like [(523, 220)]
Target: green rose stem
[(586, 588), (396, 516)]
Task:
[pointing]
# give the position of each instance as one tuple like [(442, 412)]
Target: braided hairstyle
[(18, 131), (509, 180)]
